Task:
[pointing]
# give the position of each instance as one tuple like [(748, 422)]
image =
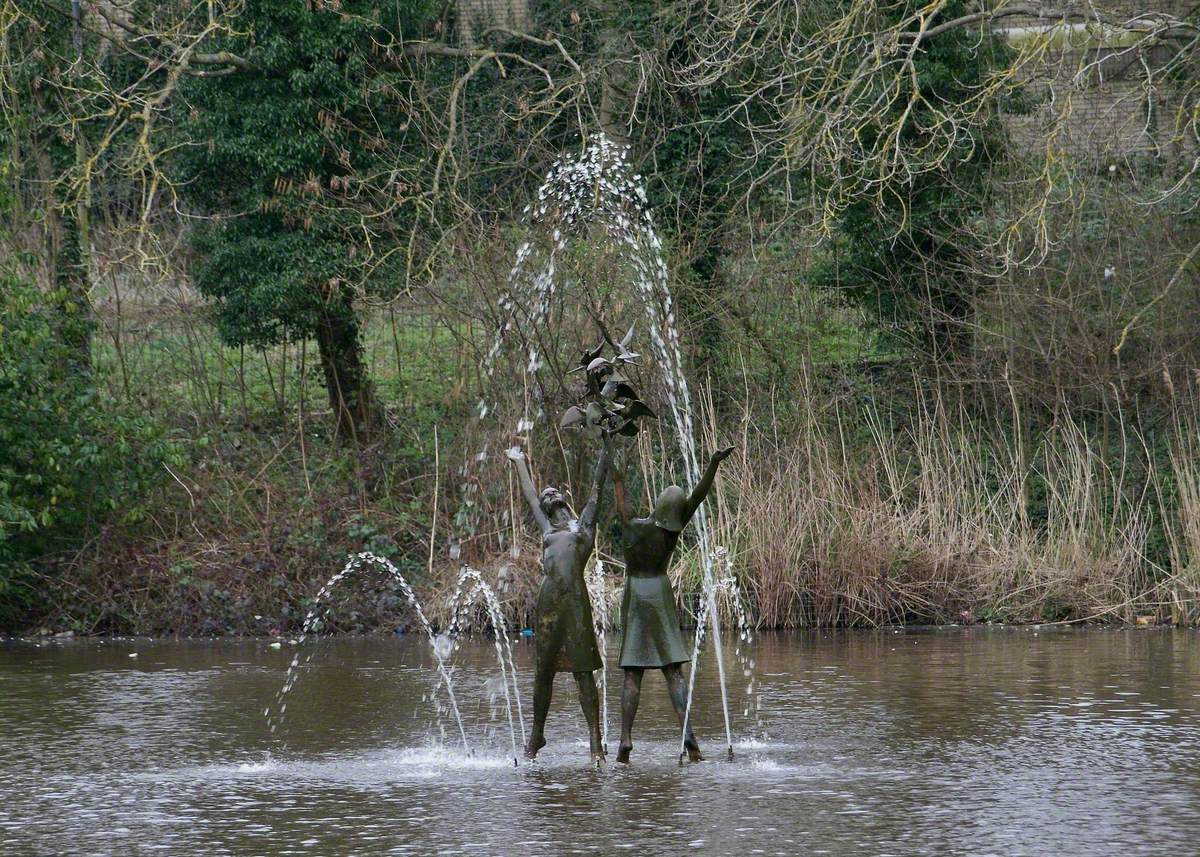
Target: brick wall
[(1093, 95), (476, 16)]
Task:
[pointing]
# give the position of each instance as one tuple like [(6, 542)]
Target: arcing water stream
[(471, 589), (466, 597)]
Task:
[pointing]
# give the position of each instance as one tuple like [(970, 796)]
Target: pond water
[(980, 741)]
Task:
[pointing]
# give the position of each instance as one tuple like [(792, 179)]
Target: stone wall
[(1093, 96), (476, 16)]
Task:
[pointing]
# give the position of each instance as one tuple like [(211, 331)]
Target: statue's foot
[(531, 749), (693, 751), (623, 753)]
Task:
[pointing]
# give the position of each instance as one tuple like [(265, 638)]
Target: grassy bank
[(881, 502)]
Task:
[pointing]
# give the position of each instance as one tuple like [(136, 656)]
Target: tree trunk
[(699, 305), (616, 86), (74, 269), (346, 381), (71, 283)]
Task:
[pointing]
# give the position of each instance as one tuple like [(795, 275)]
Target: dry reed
[(930, 521)]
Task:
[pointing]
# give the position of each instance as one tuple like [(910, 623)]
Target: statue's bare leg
[(589, 701), (630, 696), (677, 688), (543, 686)]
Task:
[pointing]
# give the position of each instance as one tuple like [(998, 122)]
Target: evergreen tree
[(279, 160)]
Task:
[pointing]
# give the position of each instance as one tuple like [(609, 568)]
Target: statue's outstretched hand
[(515, 453)]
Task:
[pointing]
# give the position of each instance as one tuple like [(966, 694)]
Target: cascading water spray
[(598, 592), (462, 600), (358, 561), (596, 188), (593, 188)]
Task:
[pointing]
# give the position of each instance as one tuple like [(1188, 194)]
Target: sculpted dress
[(564, 631), (652, 637)]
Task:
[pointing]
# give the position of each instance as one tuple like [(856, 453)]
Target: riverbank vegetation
[(255, 255)]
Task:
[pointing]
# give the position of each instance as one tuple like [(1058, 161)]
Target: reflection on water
[(948, 742)]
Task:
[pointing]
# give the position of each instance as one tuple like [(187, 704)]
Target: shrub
[(68, 457)]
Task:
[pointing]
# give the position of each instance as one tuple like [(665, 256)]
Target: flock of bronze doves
[(614, 406)]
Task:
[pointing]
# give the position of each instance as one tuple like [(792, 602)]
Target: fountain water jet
[(595, 188), (442, 645), (462, 600), (598, 592), (728, 589)]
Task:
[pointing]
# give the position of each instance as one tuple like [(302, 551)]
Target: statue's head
[(670, 508), (553, 504)]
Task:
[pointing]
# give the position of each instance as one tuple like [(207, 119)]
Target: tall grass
[(843, 518), (835, 509), (1182, 498)]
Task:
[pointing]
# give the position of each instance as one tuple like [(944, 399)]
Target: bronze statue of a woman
[(564, 637), (651, 637)]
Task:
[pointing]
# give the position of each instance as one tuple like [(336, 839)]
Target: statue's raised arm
[(592, 510), (528, 491), (706, 481)]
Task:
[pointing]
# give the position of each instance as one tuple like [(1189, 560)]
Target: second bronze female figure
[(652, 637)]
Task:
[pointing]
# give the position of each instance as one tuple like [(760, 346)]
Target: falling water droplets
[(596, 188)]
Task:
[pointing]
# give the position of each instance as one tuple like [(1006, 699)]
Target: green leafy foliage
[(68, 457), (279, 159), (294, 165), (911, 262)]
